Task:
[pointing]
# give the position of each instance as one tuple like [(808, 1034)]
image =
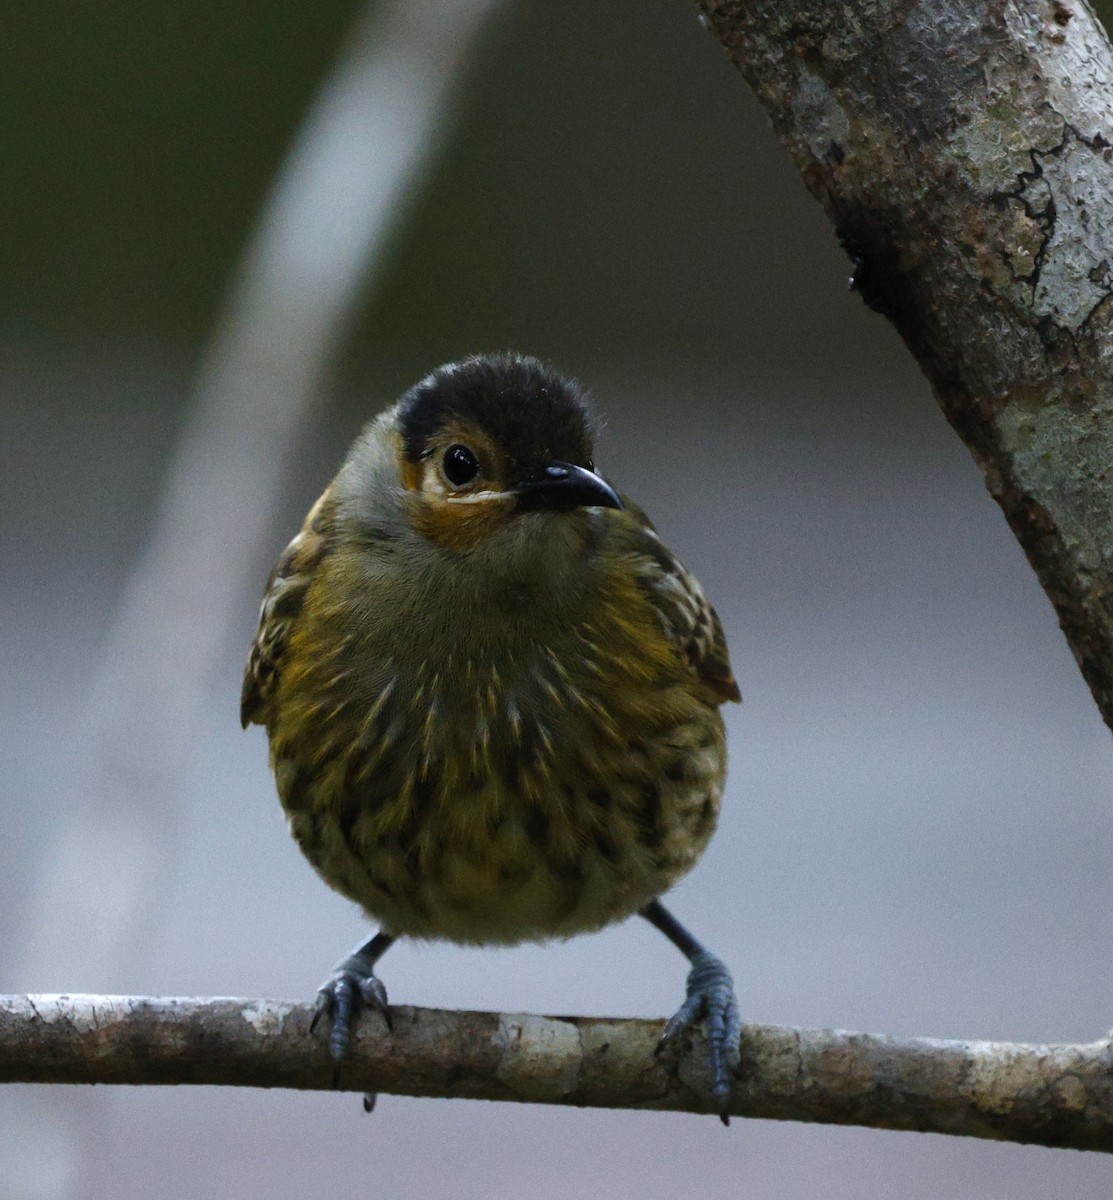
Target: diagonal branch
[(1050, 1095), (964, 151)]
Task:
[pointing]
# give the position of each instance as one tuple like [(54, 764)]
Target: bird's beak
[(565, 486)]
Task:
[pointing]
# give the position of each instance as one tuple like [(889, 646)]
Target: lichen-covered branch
[(1052, 1095), (964, 151)]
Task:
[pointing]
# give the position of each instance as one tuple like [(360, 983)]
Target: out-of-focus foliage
[(138, 138), (586, 198)]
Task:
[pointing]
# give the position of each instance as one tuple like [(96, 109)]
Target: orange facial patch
[(459, 526), (457, 518)]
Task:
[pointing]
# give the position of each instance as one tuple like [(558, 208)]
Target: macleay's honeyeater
[(492, 692)]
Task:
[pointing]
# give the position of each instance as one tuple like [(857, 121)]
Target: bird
[(492, 693)]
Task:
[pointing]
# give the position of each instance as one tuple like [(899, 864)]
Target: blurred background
[(231, 233)]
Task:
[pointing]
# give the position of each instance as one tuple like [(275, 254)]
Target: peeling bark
[(964, 151), (1050, 1095)]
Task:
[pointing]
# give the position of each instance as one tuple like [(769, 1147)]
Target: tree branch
[(964, 151), (1051, 1095)]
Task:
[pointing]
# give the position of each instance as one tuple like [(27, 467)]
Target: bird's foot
[(353, 985), (711, 998)]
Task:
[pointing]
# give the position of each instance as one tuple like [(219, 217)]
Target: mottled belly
[(521, 842)]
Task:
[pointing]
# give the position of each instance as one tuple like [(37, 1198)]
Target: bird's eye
[(460, 465)]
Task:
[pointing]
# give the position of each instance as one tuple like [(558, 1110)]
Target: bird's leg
[(353, 983), (710, 995)]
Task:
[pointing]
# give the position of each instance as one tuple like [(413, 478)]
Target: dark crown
[(534, 415)]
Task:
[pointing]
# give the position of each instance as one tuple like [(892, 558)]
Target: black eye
[(460, 465)]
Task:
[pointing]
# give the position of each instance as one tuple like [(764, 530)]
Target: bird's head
[(481, 443)]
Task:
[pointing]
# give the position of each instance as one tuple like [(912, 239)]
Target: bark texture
[(1051, 1095), (964, 151)]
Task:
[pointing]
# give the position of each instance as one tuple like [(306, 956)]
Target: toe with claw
[(352, 986), (710, 997)]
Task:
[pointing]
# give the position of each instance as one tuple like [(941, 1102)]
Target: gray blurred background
[(916, 837)]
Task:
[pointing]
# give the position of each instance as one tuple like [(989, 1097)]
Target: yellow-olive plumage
[(492, 693)]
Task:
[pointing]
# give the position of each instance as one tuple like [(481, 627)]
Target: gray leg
[(352, 984), (710, 996)]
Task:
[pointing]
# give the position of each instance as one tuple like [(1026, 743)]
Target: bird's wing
[(282, 602), (686, 613)]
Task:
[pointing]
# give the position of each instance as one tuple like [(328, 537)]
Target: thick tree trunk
[(964, 151)]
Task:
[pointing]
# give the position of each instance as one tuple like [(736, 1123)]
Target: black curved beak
[(566, 486)]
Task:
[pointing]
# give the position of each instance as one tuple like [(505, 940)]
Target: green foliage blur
[(139, 139)]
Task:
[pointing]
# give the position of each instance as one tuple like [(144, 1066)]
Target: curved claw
[(351, 986), (710, 997)]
